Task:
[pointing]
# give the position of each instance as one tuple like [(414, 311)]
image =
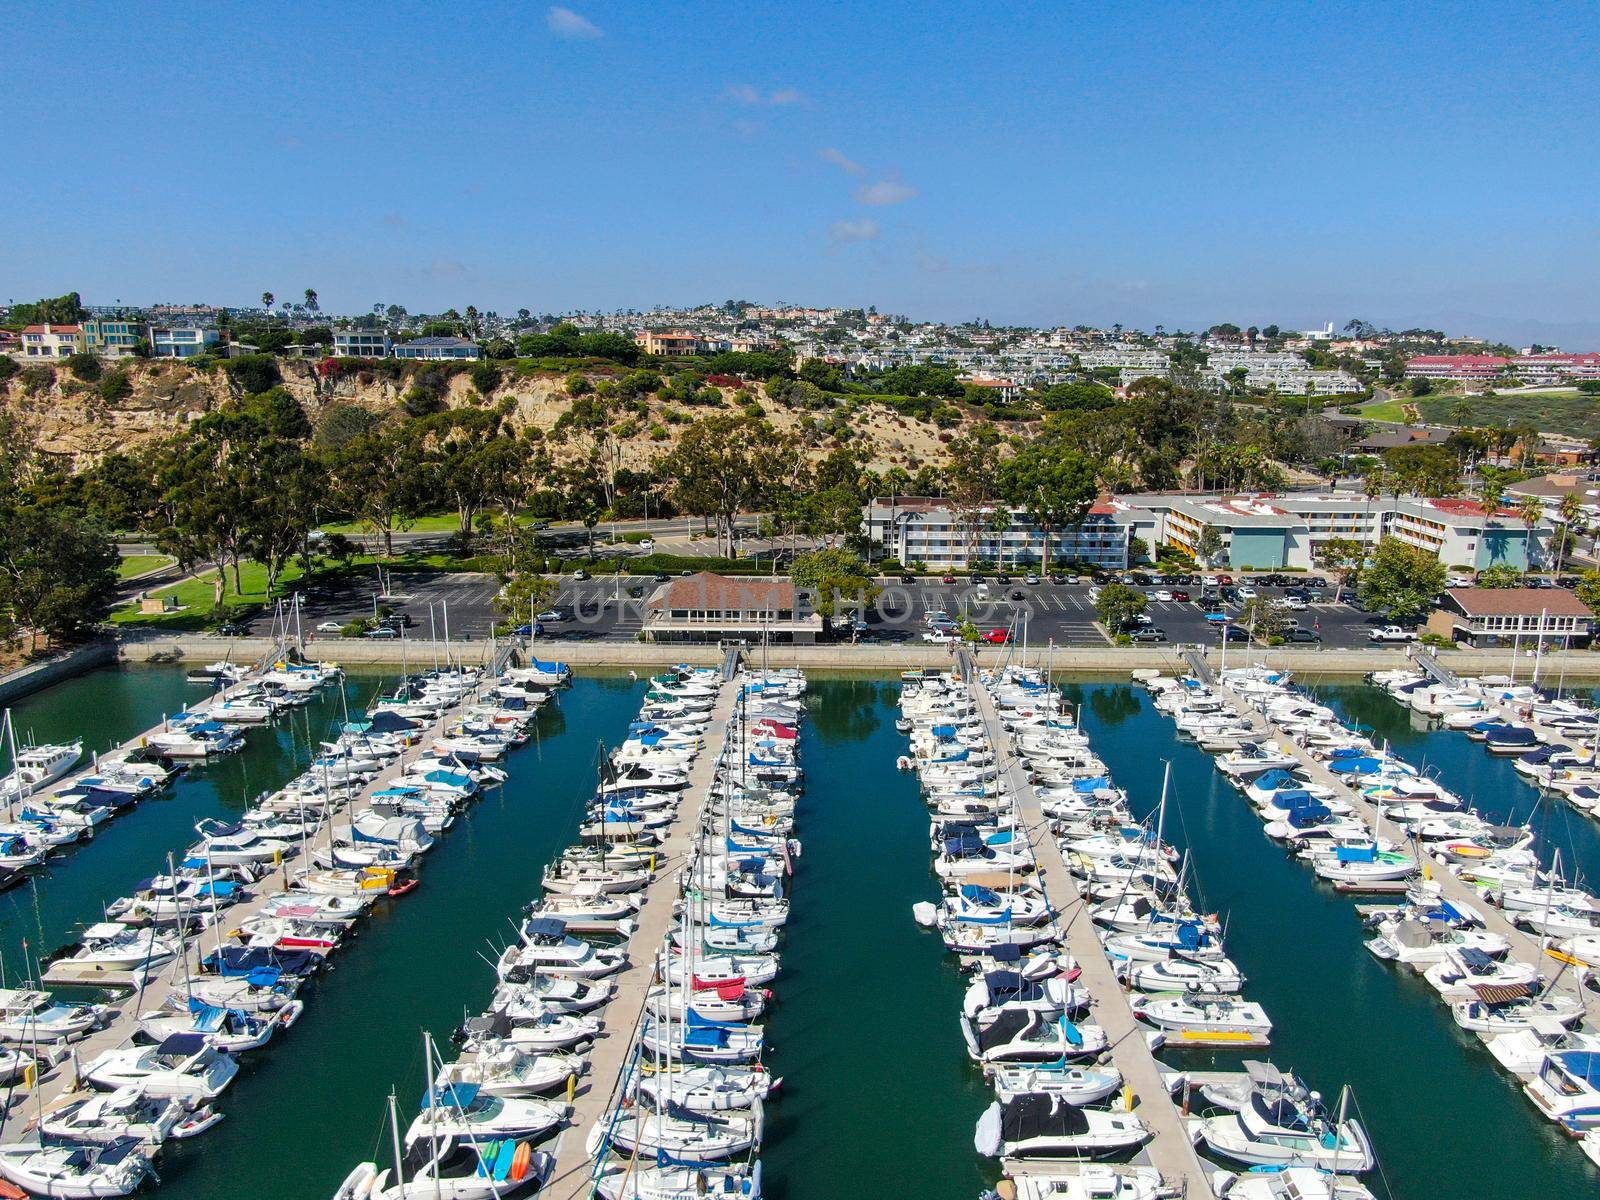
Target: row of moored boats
[(218, 948), (1383, 826)]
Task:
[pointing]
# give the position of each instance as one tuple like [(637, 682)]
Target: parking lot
[(613, 608)]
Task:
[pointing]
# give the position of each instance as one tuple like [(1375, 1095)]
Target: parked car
[(330, 627), (580, 574), (1209, 581), (1181, 596), (381, 633), (1002, 577), (940, 637), (1302, 635), (1063, 578), (1245, 592), (647, 545), (947, 578), (1030, 580), (231, 629), (996, 637), (1152, 634), (1018, 594), (1162, 595), (1295, 603), (1235, 633), (908, 579)]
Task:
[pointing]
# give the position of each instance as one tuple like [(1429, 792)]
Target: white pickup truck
[(1391, 633)]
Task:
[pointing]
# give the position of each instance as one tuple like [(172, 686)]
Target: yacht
[(34, 1016), (464, 1110), (1046, 1126), (123, 1114), (74, 1170), (184, 1065), (37, 767), (627, 1181)]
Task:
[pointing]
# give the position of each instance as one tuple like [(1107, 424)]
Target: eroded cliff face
[(75, 420)]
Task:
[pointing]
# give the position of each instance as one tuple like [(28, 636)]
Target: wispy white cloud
[(840, 160), (565, 23), (745, 93), (842, 233), (885, 191)]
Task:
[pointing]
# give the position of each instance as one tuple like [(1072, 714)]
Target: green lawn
[(195, 596), (1385, 410), (141, 564), (1562, 410)]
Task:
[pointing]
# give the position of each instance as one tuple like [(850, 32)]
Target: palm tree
[(311, 300), (1530, 512), (1571, 510)]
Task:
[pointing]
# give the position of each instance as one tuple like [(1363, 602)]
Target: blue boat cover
[(1350, 854)]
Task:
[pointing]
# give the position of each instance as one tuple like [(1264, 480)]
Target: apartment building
[(925, 529), (53, 341), (1271, 532), (1489, 368)]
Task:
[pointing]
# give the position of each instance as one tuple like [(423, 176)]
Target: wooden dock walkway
[(1170, 1151), (573, 1174)]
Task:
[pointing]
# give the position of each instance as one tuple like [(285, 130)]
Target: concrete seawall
[(198, 649), (36, 676)]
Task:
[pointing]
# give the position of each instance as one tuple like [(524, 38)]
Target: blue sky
[(1185, 164)]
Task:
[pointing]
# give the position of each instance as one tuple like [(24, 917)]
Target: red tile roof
[(721, 593), (53, 329)]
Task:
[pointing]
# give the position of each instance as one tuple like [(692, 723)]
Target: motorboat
[(1566, 1088), (1046, 1126), (1030, 1036), (124, 1114), (1523, 1051), (547, 948), (1074, 1084), (232, 1031), (184, 1065), (1465, 972), (74, 1170), (37, 767), (1204, 1019), (34, 1016)]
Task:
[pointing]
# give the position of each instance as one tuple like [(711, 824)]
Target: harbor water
[(878, 1097)]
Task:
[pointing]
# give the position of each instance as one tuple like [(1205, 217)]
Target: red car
[(1180, 595), (948, 579), (998, 637), (1224, 580)]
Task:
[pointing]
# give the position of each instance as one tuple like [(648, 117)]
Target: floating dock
[(1170, 1151), (598, 1092)]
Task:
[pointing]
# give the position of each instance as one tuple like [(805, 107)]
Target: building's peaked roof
[(707, 590), (1518, 602)]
